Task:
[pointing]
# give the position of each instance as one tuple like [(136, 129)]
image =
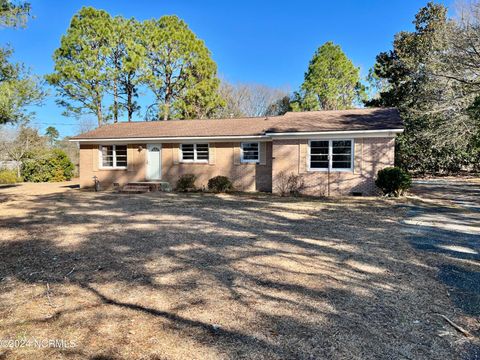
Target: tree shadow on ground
[(206, 276)]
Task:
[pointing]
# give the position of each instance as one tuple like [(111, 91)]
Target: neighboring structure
[(336, 152)]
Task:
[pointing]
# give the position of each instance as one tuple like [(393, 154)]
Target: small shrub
[(393, 181), (9, 177), (186, 182), (289, 185), (220, 184), (51, 166)]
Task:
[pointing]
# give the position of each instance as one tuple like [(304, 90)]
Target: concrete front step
[(146, 186), (133, 189)]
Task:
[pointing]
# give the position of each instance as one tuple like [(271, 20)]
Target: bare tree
[(86, 124), (252, 100), (18, 143)]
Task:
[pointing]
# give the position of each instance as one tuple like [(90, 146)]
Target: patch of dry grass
[(192, 276)]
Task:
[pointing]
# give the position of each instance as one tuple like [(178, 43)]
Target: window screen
[(250, 152), (194, 152), (113, 155), (319, 154), (331, 154), (341, 154)]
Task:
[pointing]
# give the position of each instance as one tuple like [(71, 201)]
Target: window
[(333, 155), (250, 152), (342, 154), (194, 152), (319, 154), (113, 156)]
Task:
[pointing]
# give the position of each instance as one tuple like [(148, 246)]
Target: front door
[(154, 162)]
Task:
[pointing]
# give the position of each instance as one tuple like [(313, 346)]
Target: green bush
[(393, 181), (9, 177), (50, 167), (186, 182), (220, 184)]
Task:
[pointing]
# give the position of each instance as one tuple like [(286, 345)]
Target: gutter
[(266, 137), (172, 139), (353, 133)]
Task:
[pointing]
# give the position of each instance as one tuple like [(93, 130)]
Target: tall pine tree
[(179, 70), (80, 76), (332, 82)]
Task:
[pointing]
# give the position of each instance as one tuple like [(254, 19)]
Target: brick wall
[(224, 160), (370, 155), (288, 156), (90, 166)]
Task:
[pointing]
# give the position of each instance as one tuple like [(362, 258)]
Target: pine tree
[(331, 82), (179, 70)]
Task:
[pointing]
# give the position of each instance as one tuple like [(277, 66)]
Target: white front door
[(154, 162)]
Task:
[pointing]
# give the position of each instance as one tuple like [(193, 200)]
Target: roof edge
[(266, 136)]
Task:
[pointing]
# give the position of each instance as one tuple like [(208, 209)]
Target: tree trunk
[(98, 105), (115, 101), (18, 169), (99, 115), (166, 110), (166, 107), (129, 89), (129, 107)]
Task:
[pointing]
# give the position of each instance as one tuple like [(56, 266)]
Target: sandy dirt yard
[(198, 276)]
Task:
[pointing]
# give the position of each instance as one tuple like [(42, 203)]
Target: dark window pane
[(187, 155), (187, 147), (319, 154), (336, 158), (341, 165), (250, 151), (342, 147), (319, 144), (250, 156), (187, 151), (319, 164), (342, 143), (121, 149), (323, 151), (202, 151), (121, 155)]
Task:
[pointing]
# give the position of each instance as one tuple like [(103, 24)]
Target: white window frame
[(249, 161), (195, 160), (114, 155), (330, 157)]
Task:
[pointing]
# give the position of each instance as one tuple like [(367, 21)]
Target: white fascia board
[(267, 137), (173, 140), (342, 134)]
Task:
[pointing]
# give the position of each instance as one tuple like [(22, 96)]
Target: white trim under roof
[(328, 134), (268, 136), (173, 139)]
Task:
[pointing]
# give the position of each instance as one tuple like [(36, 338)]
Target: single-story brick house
[(336, 152)]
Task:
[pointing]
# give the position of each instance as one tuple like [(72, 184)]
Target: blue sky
[(269, 42)]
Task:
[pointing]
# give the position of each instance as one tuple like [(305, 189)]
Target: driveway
[(445, 228)]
